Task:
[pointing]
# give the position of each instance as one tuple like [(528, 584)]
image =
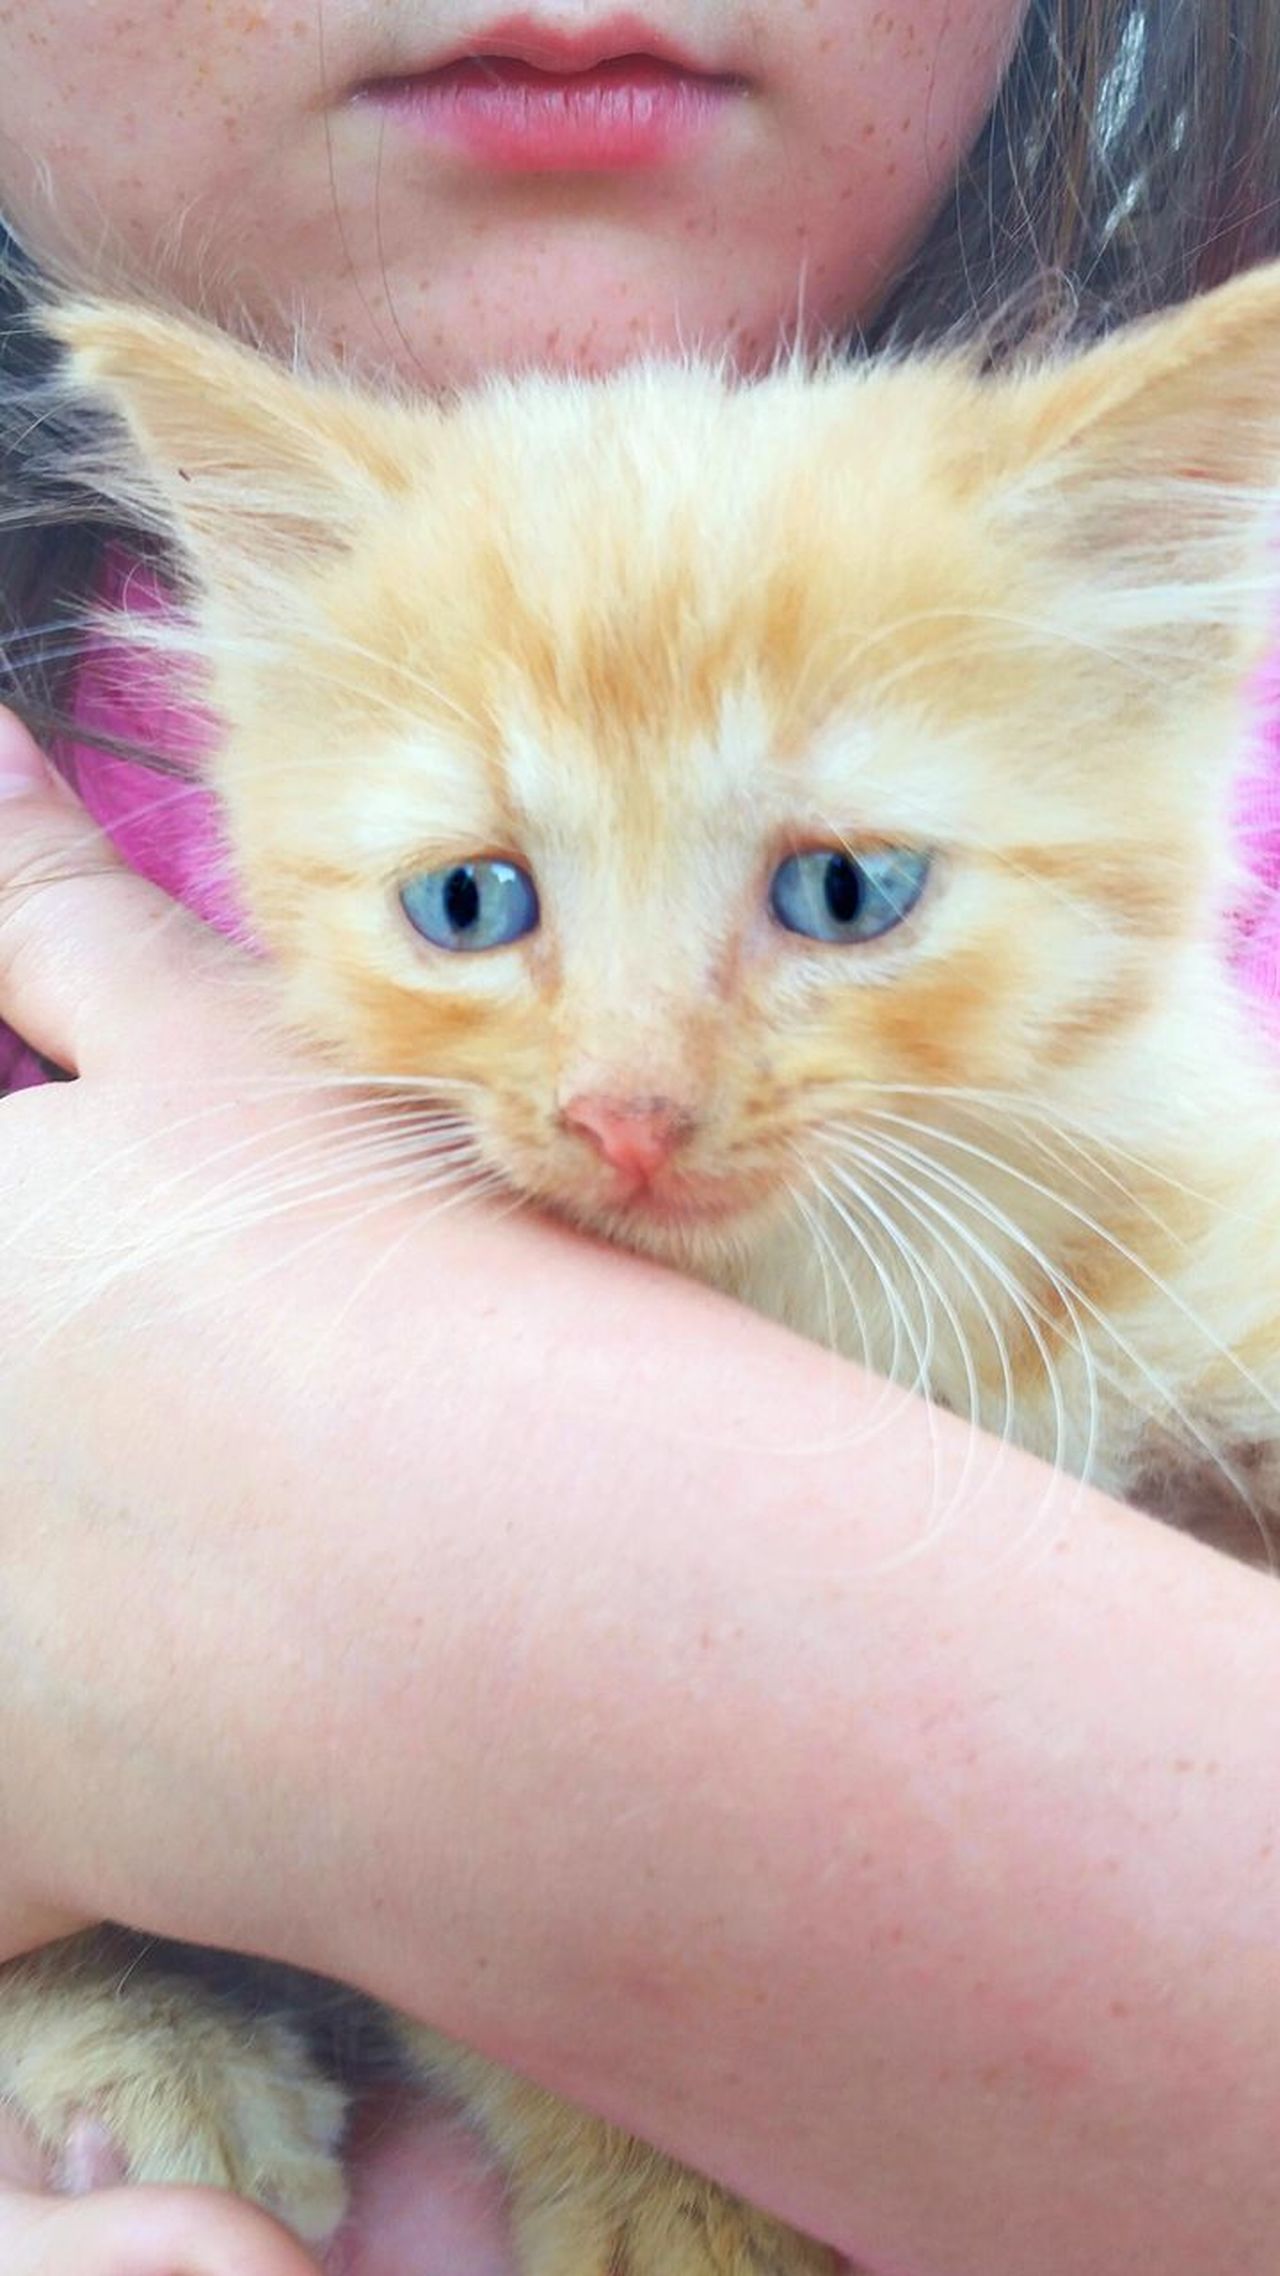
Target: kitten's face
[(690, 771)]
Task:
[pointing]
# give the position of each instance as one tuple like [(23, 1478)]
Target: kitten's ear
[(1146, 474), (1193, 395), (251, 467)]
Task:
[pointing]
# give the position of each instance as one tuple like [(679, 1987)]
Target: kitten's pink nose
[(636, 1136)]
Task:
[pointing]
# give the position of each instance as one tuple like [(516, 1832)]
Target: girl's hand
[(421, 2206), (133, 2232)]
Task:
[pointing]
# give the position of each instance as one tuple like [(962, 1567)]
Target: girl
[(963, 1992)]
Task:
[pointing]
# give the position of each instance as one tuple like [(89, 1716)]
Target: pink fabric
[(1257, 947), (167, 829)]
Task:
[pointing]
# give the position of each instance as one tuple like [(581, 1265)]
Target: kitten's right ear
[(249, 466)]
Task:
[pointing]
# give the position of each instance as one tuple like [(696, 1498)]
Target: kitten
[(793, 820)]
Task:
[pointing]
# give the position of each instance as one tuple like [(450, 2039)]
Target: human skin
[(219, 150), (709, 1774)]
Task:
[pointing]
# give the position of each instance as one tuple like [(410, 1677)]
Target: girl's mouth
[(560, 107)]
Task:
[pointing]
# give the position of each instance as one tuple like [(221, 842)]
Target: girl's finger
[(96, 966), (143, 2232)]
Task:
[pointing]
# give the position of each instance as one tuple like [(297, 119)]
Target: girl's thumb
[(92, 959), (24, 770)]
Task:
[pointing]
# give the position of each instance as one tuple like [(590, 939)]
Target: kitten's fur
[(650, 636)]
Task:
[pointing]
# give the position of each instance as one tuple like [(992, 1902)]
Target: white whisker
[(1096, 1231), (312, 1123), (886, 1406), (817, 1232), (903, 1253), (1017, 1107), (906, 1249), (1023, 1310), (1167, 1406), (922, 1346)]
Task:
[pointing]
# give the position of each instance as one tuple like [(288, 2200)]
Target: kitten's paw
[(587, 2200), (687, 2228), (151, 2079)]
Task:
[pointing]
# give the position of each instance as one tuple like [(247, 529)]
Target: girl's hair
[(1132, 159)]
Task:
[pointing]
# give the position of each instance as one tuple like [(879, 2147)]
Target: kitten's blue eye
[(845, 898), (473, 906)]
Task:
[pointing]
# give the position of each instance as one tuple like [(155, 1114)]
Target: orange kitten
[(791, 820)]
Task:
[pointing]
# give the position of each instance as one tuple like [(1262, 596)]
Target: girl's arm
[(553, 1649)]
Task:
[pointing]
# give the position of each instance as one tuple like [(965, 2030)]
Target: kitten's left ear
[(1194, 392), (1146, 473), (249, 466)]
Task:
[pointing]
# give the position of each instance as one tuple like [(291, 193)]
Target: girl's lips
[(615, 116)]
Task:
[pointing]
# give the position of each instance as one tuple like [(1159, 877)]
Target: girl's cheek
[(874, 105), (895, 93), (103, 102)]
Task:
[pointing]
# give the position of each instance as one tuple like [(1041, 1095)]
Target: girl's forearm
[(594, 1670)]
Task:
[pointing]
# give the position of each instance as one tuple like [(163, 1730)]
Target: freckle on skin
[(879, 56)]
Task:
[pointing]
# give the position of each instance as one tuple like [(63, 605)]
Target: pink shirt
[(167, 829)]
